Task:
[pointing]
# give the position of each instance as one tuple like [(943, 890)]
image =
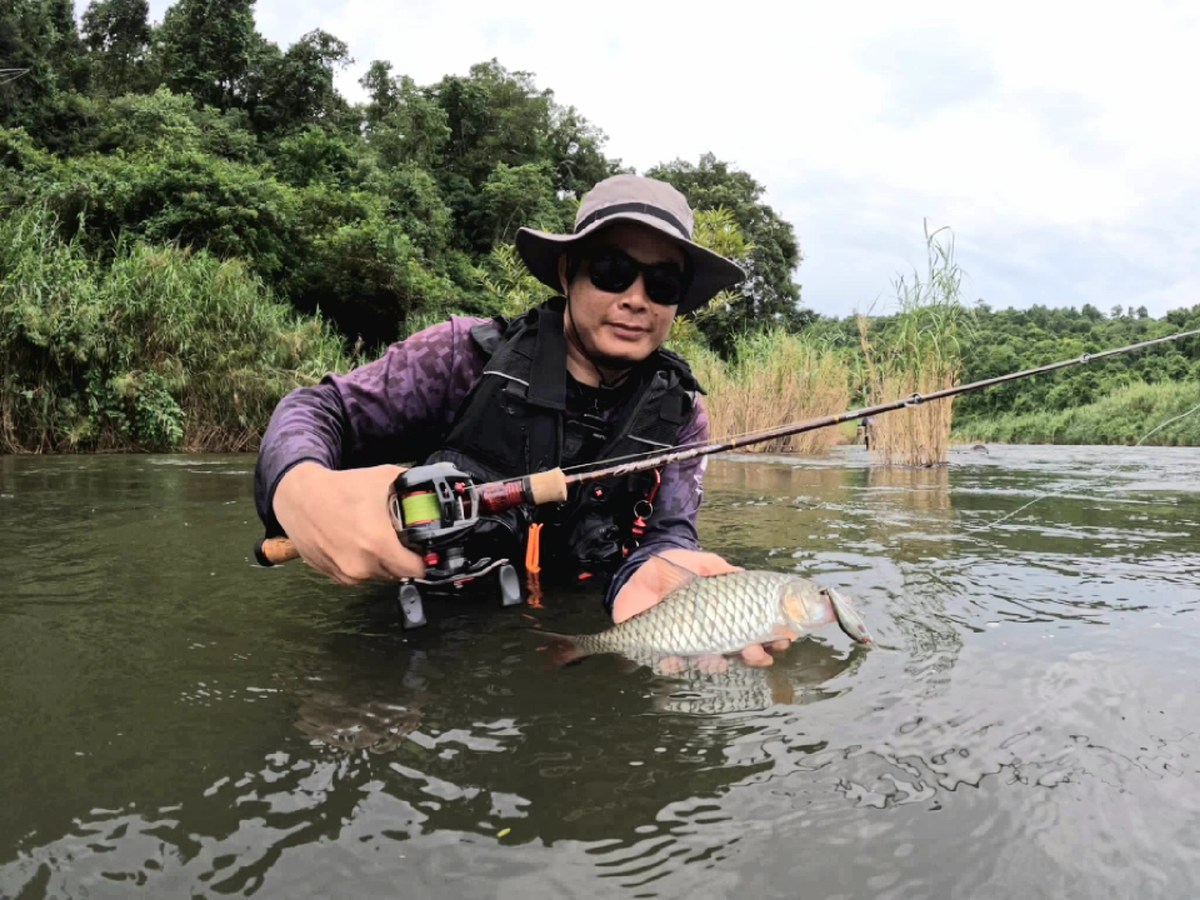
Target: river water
[(180, 722)]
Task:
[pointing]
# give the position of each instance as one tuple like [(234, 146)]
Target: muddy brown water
[(180, 722)]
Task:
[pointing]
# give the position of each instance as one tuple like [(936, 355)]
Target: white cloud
[(1056, 138)]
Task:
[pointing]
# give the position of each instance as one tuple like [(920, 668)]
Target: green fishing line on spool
[(420, 508)]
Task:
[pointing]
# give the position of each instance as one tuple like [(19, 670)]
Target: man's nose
[(635, 294)]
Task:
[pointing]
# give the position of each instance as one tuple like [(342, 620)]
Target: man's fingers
[(670, 665), (339, 523), (358, 568), (400, 562), (713, 664), (756, 656)]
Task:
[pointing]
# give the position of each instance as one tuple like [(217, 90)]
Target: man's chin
[(619, 362)]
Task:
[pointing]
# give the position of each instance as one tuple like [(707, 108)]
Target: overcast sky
[(1059, 141)]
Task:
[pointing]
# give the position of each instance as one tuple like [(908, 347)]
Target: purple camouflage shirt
[(397, 409)]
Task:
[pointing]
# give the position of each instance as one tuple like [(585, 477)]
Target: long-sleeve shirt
[(398, 408)]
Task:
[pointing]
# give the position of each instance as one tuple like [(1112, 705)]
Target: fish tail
[(562, 649)]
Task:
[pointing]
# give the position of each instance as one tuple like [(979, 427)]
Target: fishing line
[(742, 438), (1112, 469), (651, 454), (641, 462)]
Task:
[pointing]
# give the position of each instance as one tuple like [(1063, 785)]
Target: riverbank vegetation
[(915, 353), (1158, 414), (193, 220), (773, 378), (156, 347)]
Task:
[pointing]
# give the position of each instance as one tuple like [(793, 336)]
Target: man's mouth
[(625, 329)]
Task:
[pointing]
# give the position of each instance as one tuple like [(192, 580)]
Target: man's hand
[(340, 525), (655, 578)]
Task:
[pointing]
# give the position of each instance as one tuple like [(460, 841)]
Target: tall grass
[(917, 354), (509, 286), (1126, 416), (774, 378), (160, 349)]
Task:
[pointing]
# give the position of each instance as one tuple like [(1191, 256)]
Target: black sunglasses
[(614, 271)]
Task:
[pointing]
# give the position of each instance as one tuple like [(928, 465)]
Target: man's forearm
[(308, 424)]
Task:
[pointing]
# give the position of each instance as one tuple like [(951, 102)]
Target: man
[(581, 378)]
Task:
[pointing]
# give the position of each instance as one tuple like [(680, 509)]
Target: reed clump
[(775, 377), (916, 353), (157, 348)]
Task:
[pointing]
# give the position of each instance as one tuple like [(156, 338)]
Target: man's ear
[(562, 273)]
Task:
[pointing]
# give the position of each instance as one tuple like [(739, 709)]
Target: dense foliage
[(1035, 409), (185, 203)]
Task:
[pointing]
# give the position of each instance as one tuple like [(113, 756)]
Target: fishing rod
[(644, 463), (432, 506)]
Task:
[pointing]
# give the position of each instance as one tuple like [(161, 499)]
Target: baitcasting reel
[(455, 526), (435, 510)]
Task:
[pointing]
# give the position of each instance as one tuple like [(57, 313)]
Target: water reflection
[(427, 711), (182, 722), (803, 675)]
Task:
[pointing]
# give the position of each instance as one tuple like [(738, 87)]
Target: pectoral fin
[(674, 576)]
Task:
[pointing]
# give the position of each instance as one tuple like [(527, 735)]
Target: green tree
[(404, 124), (24, 168), (513, 196), (359, 267), (411, 197), (574, 146), (207, 47), (140, 121), (496, 117), (177, 194), (716, 230), (381, 89), (314, 155), (296, 89), (770, 292), (117, 36), (40, 43)]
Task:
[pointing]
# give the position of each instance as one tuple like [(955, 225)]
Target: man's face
[(618, 329)]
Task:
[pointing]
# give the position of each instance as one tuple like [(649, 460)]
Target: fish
[(719, 614)]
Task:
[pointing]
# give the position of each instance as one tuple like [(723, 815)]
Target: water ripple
[(1024, 726)]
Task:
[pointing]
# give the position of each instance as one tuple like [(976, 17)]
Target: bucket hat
[(633, 198)]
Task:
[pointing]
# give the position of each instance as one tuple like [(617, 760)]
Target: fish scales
[(717, 614)]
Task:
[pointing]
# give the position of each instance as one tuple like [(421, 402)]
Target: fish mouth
[(848, 618)]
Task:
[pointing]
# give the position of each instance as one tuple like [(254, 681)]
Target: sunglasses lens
[(664, 284), (613, 272)]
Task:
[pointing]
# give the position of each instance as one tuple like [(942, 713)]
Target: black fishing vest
[(515, 419)]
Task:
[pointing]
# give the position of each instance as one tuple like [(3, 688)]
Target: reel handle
[(274, 551)]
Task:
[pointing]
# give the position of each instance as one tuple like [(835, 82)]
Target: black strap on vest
[(548, 376)]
